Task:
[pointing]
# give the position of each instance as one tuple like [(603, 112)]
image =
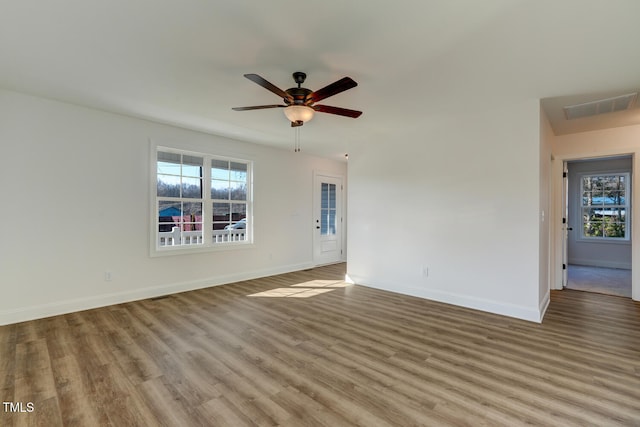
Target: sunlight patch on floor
[(321, 284), (291, 293), (303, 290)]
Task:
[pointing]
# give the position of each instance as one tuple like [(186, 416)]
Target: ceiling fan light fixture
[(299, 113), (300, 103)]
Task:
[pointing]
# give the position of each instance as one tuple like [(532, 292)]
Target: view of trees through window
[(605, 206)]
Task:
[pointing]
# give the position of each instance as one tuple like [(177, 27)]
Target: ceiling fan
[(300, 103)]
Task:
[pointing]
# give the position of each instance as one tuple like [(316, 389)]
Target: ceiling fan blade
[(257, 107), (269, 86), (337, 110), (334, 88)]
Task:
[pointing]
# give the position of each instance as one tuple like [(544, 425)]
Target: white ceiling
[(181, 62)]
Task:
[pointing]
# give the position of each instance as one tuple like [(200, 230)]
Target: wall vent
[(602, 106)]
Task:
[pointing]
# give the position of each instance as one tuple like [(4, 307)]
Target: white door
[(327, 221)]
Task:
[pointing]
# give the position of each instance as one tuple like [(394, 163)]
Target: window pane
[(239, 172), (324, 222), (332, 196), (592, 214), (324, 196), (614, 198), (613, 214), (327, 222), (169, 215), (168, 168), (191, 188), (169, 157), (169, 163), (592, 222), (192, 171), (238, 190), (238, 211), (219, 189), (593, 228), (328, 196), (221, 211), (221, 215), (597, 183), (332, 222), (220, 169), (615, 230), (611, 183), (168, 186), (192, 217), (192, 160)]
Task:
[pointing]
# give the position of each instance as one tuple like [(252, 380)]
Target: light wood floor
[(324, 354)]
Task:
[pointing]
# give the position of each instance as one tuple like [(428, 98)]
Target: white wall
[(460, 196), (75, 203), (601, 143)]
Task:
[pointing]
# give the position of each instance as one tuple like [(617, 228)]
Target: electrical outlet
[(108, 276)]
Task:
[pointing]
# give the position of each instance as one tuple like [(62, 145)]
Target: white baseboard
[(598, 263), (22, 314), (490, 306), (544, 304)]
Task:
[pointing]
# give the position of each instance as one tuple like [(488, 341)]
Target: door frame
[(565, 224), (558, 229), (341, 223)]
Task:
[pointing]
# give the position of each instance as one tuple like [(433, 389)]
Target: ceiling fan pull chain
[(297, 140)]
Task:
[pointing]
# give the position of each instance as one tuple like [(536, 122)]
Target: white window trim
[(208, 246), (627, 205)]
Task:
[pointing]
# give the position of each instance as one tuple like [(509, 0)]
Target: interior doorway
[(602, 280), (598, 244)]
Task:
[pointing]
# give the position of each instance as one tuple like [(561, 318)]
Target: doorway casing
[(328, 218), (557, 210)]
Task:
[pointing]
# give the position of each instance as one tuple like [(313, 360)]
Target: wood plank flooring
[(305, 349)]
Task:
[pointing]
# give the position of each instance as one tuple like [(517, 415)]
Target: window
[(328, 209), (605, 206), (197, 192)]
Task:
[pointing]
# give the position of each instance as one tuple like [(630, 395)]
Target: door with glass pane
[(327, 237)]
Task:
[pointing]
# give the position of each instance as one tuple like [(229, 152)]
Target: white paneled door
[(327, 221)]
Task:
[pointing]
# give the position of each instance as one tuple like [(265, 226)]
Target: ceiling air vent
[(602, 106)]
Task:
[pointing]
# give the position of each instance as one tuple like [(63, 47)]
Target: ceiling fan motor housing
[(299, 95)]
